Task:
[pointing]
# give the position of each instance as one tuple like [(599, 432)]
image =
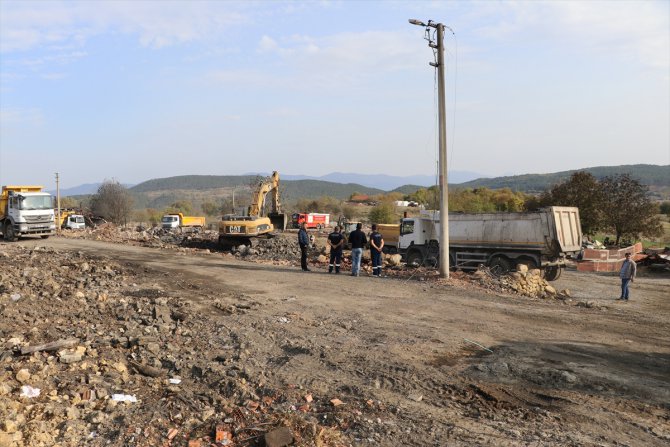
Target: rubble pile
[(156, 237), (522, 282), (88, 357)]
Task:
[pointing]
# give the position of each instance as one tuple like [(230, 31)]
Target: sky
[(138, 90)]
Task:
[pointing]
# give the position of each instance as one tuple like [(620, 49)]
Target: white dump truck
[(541, 239), (26, 210), (178, 220)]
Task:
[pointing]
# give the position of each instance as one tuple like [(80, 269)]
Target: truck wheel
[(414, 259), (552, 273), (45, 236), (499, 266), (10, 235)]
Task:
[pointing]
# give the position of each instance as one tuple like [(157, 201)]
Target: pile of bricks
[(605, 260)]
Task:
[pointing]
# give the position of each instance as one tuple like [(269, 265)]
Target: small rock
[(279, 437), (23, 375), (416, 397)]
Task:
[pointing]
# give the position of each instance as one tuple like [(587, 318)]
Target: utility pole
[(442, 118), (58, 222)]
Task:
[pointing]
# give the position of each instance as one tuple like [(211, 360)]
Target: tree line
[(618, 204)]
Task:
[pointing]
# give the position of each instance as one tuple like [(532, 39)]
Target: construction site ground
[(402, 360)]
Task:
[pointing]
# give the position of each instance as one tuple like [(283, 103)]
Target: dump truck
[(391, 234), (235, 229), (26, 210), (311, 220), (73, 221), (70, 219), (541, 239), (178, 220)]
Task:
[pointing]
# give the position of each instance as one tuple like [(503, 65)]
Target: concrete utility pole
[(58, 222), (442, 118)]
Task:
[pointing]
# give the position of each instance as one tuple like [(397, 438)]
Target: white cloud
[(28, 24), (633, 30)]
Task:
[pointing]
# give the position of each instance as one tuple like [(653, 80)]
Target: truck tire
[(552, 273), (45, 236), (414, 259), (499, 266), (10, 235)]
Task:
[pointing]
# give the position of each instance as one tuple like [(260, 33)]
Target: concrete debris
[(93, 358), (529, 283)]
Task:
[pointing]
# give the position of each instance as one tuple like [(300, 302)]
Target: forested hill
[(291, 189), (651, 175)]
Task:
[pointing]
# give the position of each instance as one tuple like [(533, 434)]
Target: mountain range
[(341, 185)]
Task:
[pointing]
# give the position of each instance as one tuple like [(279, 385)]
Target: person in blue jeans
[(357, 240), (376, 246), (627, 275)]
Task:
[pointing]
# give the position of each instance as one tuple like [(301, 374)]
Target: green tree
[(68, 202), (429, 197), (113, 202), (664, 208), (349, 212), (210, 208), (628, 211), (584, 191), (180, 206), (383, 213)]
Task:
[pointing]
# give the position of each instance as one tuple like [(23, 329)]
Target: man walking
[(336, 243), (627, 275), (376, 245), (303, 241), (357, 240)]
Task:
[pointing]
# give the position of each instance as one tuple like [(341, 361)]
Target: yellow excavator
[(240, 230)]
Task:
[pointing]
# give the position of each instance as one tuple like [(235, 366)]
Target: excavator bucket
[(279, 220)]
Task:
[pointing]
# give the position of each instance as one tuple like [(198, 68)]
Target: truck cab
[(26, 210), (74, 222), (170, 221)]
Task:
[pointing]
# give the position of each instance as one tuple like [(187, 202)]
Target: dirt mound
[(94, 356)]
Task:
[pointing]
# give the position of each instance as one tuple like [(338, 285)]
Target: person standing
[(357, 240), (303, 241), (627, 275), (376, 245), (336, 243)]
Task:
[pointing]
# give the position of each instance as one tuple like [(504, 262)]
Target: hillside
[(160, 193), (651, 175)]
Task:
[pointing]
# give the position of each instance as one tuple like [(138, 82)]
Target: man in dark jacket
[(357, 240), (627, 275), (336, 242), (303, 241)]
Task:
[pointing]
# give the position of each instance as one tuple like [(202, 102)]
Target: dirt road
[(402, 357)]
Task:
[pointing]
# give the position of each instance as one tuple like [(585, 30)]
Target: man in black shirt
[(336, 242), (376, 245), (357, 240)]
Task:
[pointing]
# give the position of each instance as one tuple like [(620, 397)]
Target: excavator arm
[(264, 187)]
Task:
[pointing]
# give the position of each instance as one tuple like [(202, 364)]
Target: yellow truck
[(178, 220), (26, 210)]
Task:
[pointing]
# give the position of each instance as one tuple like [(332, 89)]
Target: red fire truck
[(311, 220)]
